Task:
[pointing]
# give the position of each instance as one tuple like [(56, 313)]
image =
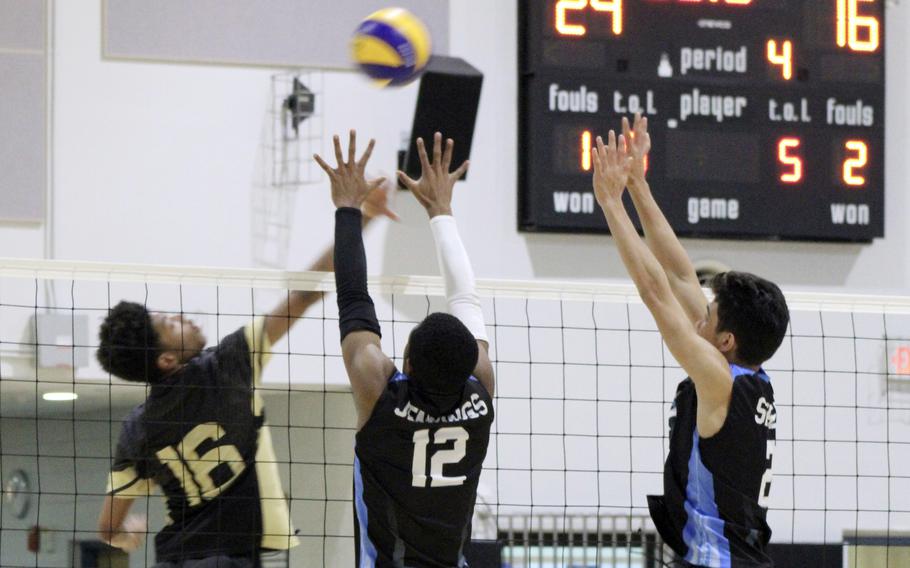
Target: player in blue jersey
[(717, 477), (201, 436), (423, 431)]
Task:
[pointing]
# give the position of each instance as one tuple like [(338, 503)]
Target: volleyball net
[(584, 386)]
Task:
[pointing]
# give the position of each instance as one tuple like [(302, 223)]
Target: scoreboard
[(766, 116)]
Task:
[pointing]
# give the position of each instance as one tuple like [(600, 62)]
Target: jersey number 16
[(419, 476), (194, 471)]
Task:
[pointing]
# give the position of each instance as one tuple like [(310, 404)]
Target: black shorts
[(212, 562)]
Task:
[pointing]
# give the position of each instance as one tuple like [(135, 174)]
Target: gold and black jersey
[(201, 438)]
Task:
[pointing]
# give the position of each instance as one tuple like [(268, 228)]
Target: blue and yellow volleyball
[(392, 46)]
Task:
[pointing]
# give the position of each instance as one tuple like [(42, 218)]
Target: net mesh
[(584, 385)]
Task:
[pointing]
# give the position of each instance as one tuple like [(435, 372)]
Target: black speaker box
[(447, 102)]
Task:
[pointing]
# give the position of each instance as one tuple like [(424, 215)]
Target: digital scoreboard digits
[(766, 116)]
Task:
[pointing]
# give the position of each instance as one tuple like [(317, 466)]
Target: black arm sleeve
[(355, 307)]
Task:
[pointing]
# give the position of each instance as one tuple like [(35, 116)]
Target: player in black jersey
[(422, 432), (717, 476), (201, 434)]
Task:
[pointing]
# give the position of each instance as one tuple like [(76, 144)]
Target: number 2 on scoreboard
[(852, 164)]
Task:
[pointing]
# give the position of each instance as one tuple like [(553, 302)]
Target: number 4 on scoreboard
[(784, 57)]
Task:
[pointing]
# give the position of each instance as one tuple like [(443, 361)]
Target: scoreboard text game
[(766, 116)]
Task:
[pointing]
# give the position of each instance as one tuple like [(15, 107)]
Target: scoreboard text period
[(766, 116)]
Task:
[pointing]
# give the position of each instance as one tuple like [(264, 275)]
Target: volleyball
[(392, 46)]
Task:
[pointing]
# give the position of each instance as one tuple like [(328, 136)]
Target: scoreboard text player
[(766, 116)]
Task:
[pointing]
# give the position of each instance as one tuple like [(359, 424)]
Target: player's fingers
[(601, 152), (447, 155), (352, 148), (626, 129), (324, 165), (611, 149), (376, 183), (362, 164), (338, 157), (390, 214), (386, 208), (422, 152), (437, 149), (415, 188), (406, 180), (461, 170), (621, 147)]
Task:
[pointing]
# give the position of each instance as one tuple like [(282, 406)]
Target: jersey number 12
[(419, 476)]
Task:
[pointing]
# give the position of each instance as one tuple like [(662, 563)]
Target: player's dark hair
[(754, 310), (129, 345), (442, 353)]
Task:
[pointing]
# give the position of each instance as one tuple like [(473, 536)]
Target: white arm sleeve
[(461, 296)]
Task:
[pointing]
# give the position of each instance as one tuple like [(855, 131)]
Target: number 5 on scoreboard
[(786, 155), (440, 458)]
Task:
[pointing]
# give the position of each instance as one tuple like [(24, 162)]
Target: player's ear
[(168, 361), (726, 343)]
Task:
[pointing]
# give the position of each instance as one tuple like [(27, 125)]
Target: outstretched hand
[(612, 165), (350, 187), (434, 188), (378, 202), (639, 144)]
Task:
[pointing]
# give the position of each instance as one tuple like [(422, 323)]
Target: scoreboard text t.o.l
[(766, 116)]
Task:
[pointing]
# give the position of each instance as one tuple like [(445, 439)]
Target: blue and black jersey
[(713, 511), (200, 437), (418, 462)]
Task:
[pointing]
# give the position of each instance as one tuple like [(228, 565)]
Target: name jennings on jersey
[(472, 409)]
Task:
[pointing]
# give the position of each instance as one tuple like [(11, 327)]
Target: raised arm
[(434, 191), (703, 362), (367, 366), (658, 234), (297, 302)]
